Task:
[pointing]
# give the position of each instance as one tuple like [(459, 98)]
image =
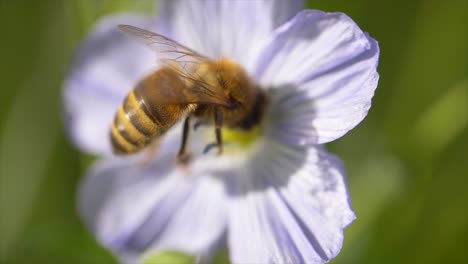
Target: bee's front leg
[(200, 123), (218, 122), (184, 157)]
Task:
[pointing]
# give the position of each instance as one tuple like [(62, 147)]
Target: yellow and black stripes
[(132, 129), (136, 113), (136, 124)]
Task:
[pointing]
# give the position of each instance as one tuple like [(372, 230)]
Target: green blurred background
[(406, 163)]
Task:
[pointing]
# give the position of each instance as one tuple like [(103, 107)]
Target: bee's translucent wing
[(168, 51), (180, 59)]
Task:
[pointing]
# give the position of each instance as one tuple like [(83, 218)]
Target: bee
[(186, 85)]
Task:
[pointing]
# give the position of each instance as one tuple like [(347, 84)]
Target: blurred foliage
[(406, 162)]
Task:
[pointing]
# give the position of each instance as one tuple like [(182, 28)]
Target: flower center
[(241, 138)]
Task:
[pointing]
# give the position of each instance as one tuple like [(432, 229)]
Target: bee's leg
[(184, 157), (218, 120), (199, 123), (209, 147)]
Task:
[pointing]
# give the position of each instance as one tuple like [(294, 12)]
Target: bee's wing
[(180, 58), (168, 51)]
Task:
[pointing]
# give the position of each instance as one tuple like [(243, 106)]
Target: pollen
[(241, 138)]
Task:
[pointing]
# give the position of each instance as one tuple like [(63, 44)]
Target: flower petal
[(232, 29), (198, 224), (290, 206), (134, 209), (332, 65), (106, 66)]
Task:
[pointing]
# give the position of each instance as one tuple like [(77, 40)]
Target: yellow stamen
[(242, 138)]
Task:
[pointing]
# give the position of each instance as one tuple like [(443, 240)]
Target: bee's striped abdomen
[(146, 114), (136, 125), (132, 129)]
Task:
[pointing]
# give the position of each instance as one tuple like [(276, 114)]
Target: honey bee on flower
[(275, 195), (217, 92)]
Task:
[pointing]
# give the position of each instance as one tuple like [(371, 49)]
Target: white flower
[(282, 198)]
